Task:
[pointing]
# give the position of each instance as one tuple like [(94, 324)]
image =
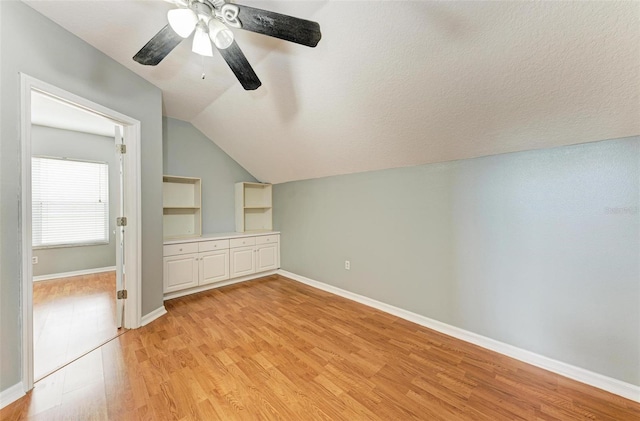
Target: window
[(70, 201)]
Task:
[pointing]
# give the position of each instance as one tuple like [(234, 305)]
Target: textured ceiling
[(393, 83)]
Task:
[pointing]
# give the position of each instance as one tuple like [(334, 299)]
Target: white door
[(242, 261), (214, 266), (266, 258), (180, 272), (120, 271)]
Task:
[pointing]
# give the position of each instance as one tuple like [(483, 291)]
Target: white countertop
[(217, 236)]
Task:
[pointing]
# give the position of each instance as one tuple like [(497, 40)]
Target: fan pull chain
[(203, 74)]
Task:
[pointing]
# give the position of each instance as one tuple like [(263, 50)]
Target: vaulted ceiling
[(392, 83)]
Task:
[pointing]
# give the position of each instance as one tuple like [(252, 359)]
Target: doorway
[(76, 193), (88, 308)]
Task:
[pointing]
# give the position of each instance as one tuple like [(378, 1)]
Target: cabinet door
[(214, 266), (242, 261), (180, 272), (266, 257)]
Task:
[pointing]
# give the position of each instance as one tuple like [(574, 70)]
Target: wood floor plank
[(71, 317), (275, 349)]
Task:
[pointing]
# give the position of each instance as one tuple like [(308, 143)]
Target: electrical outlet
[(34, 260), (347, 265)]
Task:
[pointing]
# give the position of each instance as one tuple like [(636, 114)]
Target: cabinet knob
[(180, 249)]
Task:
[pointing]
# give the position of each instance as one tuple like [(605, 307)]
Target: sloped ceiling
[(393, 83)]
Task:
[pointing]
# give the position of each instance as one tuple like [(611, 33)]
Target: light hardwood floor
[(276, 349), (71, 316)]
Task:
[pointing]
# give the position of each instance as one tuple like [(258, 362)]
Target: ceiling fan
[(211, 19)]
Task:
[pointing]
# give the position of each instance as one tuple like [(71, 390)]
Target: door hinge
[(122, 294), (121, 221), (122, 148)]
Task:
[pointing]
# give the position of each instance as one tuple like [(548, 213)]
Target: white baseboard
[(182, 293), (11, 394), (618, 387), (74, 273), (157, 313)]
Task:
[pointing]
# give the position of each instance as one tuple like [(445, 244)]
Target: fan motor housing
[(202, 8)]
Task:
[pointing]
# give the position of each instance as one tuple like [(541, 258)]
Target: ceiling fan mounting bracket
[(225, 12)]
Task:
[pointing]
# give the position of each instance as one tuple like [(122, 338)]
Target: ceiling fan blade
[(285, 27), (240, 67), (158, 47)]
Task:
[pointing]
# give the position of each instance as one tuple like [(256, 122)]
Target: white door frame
[(132, 195)]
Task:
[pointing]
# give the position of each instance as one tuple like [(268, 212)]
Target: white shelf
[(253, 207), (181, 207), (180, 192)]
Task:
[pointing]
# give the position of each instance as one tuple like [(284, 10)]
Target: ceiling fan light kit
[(221, 36), (201, 43), (210, 20), (183, 21)]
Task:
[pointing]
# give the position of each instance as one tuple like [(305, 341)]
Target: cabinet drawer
[(267, 239), (213, 245), (242, 242), (175, 249)]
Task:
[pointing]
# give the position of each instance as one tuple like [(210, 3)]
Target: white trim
[(73, 273), (132, 194), (155, 314), (26, 293), (202, 288), (618, 387), (11, 394), (133, 234)]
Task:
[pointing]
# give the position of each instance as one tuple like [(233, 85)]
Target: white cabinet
[(181, 202), (254, 254), (214, 261), (267, 252), (242, 261), (266, 257), (180, 272), (204, 262), (187, 265), (214, 267), (253, 207)]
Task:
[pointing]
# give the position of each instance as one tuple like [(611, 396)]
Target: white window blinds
[(70, 201)]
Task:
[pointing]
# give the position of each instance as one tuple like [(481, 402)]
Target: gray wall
[(32, 44), (189, 153), (48, 141), (536, 249)]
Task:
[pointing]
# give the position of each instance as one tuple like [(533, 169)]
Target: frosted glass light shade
[(201, 43), (221, 36), (182, 21)]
